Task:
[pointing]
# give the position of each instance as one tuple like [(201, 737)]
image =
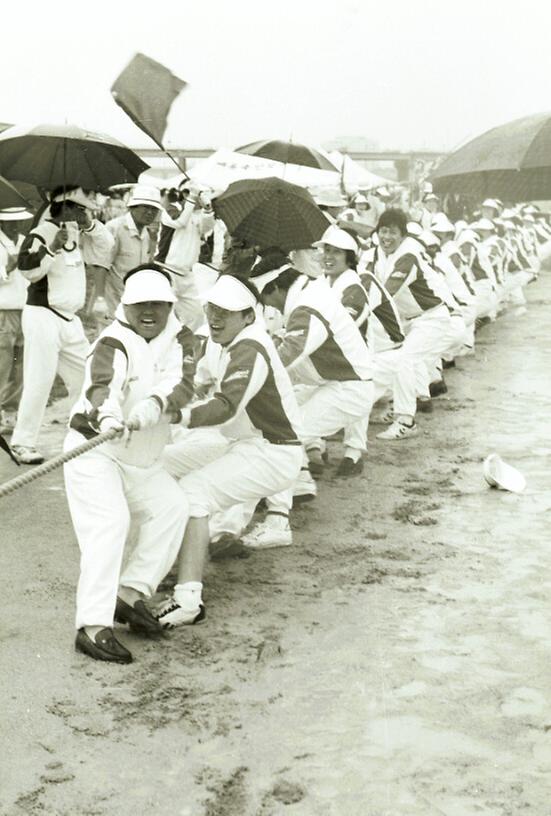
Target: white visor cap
[(339, 238), (147, 286), (230, 294)]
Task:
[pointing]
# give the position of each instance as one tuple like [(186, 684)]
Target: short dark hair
[(283, 281), (149, 267), (394, 217)]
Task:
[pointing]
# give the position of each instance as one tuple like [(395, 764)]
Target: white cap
[(414, 228), (468, 236), (147, 285), (229, 293), (148, 196), (428, 238), (328, 197), (529, 217), (508, 213), (78, 196), (499, 474), (441, 223), (383, 191), (15, 214), (339, 238), (483, 224), (359, 198), (430, 197), (531, 209), (490, 202)]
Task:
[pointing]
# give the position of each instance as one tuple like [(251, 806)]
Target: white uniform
[(255, 409), (324, 349), (116, 485)]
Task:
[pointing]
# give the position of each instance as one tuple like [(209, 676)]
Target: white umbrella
[(355, 177)]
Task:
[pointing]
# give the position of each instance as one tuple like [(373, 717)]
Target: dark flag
[(145, 90)]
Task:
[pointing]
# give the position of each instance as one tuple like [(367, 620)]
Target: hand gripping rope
[(57, 461)]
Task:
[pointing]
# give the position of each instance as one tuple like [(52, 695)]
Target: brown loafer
[(105, 646), (138, 617)]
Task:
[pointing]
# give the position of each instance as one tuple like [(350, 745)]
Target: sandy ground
[(394, 662)]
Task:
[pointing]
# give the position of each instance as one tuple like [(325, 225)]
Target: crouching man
[(255, 408), (134, 367)]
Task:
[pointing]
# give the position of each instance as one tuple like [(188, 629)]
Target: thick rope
[(57, 461)]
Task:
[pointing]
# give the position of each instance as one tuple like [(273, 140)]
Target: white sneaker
[(305, 488), (262, 537), (398, 430), (27, 455), (171, 614)]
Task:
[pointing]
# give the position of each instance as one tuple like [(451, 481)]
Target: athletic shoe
[(448, 363), (316, 463), (305, 488), (348, 467), (27, 455), (171, 614), (398, 430), (436, 389), (263, 537), (227, 545), (105, 646)]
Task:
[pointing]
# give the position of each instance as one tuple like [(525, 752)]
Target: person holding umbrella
[(52, 259)]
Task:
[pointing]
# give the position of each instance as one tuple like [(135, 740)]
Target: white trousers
[(334, 405), (248, 470), (427, 340), (104, 497), (193, 449), (52, 346), (486, 299), (188, 308)]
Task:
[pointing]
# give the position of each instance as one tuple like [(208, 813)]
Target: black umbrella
[(51, 156), (288, 153), (511, 162), (271, 213)]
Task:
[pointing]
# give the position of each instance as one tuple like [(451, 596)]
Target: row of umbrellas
[(264, 212)]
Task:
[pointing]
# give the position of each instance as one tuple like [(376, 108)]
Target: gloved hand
[(144, 414), (109, 423)]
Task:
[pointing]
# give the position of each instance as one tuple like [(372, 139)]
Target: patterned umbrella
[(271, 213), (51, 156), (288, 153), (511, 162)]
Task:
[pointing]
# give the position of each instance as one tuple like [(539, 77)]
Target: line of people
[(214, 419)]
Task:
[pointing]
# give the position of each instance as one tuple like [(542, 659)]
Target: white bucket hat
[(339, 238), (483, 224), (15, 214), (490, 202), (501, 475), (143, 194), (145, 286)]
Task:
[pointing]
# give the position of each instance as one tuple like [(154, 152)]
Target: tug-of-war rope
[(57, 461)]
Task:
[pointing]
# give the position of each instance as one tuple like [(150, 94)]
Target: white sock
[(188, 595), (277, 521), (353, 453)]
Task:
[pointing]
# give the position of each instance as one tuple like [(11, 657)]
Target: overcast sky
[(404, 73)]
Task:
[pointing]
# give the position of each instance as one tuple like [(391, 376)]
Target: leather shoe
[(138, 617), (105, 646), (348, 467)]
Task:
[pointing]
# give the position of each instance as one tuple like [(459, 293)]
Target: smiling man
[(254, 407), (136, 365)]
